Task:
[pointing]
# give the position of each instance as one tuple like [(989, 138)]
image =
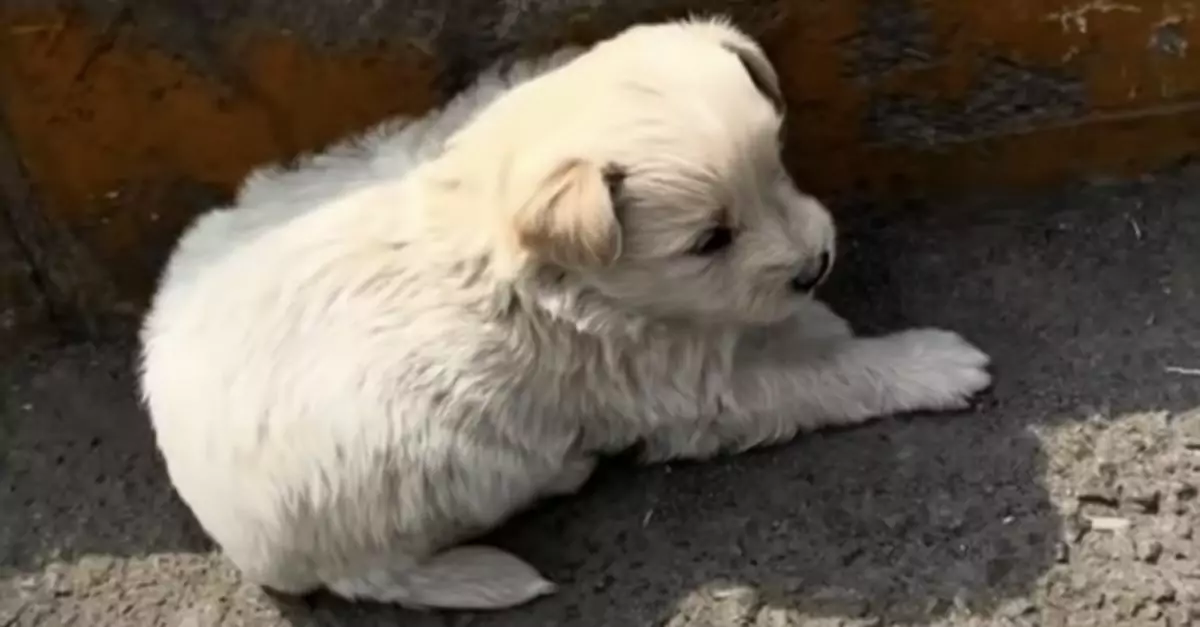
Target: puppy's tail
[(462, 578)]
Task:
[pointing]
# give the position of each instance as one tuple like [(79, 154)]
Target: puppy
[(373, 363)]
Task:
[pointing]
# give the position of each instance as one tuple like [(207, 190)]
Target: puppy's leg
[(815, 324), (774, 393), (283, 577), (490, 484), (469, 577), (816, 321), (574, 474)]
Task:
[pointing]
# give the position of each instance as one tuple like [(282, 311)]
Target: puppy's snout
[(814, 273)]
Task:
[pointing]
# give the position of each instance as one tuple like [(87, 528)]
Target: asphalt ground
[(1067, 497)]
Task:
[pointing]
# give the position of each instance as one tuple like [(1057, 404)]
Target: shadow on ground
[(1082, 298), (81, 471)]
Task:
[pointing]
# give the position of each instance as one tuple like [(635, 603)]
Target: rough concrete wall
[(21, 305), (122, 118)]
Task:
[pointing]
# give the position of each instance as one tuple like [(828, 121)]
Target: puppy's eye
[(713, 241)]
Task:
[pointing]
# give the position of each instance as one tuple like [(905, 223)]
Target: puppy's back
[(274, 194)]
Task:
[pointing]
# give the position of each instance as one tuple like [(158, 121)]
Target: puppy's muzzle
[(814, 273)]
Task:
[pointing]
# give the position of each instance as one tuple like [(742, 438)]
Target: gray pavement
[(1068, 497)]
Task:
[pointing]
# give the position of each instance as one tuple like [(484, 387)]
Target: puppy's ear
[(721, 29), (762, 73), (568, 216)]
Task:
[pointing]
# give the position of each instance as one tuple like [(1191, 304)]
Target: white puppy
[(362, 365)]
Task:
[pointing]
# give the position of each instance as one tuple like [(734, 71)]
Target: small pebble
[(1108, 523), (1062, 553), (1150, 551), (1147, 501)]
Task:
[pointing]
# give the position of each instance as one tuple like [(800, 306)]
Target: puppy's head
[(647, 172)]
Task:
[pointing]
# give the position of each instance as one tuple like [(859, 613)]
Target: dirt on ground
[(1067, 497)]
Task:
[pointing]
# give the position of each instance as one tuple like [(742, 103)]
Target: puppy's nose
[(813, 274)]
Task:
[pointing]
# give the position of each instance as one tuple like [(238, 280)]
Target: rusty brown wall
[(120, 119)]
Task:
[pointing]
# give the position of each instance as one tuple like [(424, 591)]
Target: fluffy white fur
[(380, 355)]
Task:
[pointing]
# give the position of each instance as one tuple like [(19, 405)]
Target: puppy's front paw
[(935, 369)]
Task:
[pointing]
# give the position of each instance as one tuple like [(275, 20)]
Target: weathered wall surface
[(120, 119)]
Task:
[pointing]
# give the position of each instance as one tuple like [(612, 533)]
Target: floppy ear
[(762, 73), (568, 216)]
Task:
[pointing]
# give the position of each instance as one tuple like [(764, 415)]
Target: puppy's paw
[(933, 369)]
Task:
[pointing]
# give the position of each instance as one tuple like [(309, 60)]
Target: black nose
[(813, 275)]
